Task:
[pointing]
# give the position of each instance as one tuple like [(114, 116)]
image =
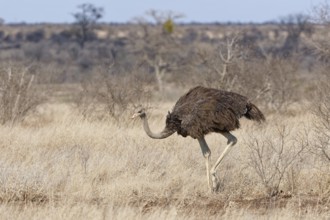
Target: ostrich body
[(204, 110)]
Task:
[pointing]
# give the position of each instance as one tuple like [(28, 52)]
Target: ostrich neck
[(163, 134)]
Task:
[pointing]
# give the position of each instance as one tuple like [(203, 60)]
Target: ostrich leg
[(232, 140), (207, 154)]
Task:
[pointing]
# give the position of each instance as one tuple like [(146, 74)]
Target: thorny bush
[(272, 156)]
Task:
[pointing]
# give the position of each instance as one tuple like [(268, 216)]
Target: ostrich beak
[(135, 115)]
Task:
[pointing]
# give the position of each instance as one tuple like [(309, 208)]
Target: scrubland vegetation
[(69, 149)]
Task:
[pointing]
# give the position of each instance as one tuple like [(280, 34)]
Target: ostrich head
[(166, 132), (140, 113)]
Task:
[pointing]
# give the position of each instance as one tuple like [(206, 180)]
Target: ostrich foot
[(215, 182)]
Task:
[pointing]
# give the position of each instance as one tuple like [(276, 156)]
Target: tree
[(85, 20), (295, 25), (321, 16), (160, 49)]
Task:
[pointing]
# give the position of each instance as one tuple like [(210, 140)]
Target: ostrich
[(201, 111)]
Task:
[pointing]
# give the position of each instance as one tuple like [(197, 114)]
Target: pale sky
[(55, 11)]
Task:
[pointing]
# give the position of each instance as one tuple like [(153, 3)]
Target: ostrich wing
[(203, 110), (210, 115)]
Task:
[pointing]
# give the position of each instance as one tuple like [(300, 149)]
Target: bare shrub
[(321, 14), (17, 94), (234, 67), (272, 156), (113, 95), (219, 64), (322, 121), (283, 83)]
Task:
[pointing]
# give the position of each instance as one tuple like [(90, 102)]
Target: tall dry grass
[(58, 164)]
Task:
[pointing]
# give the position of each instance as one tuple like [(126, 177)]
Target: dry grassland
[(58, 165), (70, 150)]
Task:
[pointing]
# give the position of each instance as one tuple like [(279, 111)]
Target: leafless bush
[(283, 83), (271, 157), (219, 64), (233, 67), (113, 95), (322, 122), (17, 95), (321, 14)]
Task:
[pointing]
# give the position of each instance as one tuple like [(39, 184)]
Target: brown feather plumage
[(204, 110)]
